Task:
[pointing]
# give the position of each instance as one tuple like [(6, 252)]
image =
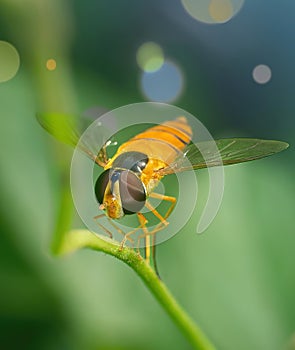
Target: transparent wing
[(66, 129), (223, 152)]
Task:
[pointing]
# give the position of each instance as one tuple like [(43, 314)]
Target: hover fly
[(130, 177)]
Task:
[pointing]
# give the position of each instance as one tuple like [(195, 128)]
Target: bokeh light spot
[(9, 61), (262, 74), (212, 11), (164, 85), (220, 10), (51, 64), (150, 57)]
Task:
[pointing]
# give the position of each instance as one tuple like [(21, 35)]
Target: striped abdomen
[(163, 142)]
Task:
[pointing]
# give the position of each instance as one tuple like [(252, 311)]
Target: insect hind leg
[(108, 232), (143, 221), (171, 199), (163, 223), (160, 226)]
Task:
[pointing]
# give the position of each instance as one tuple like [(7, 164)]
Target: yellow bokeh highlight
[(9, 61), (150, 57), (221, 10), (212, 11), (51, 64)]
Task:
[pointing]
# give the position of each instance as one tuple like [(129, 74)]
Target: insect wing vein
[(223, 152)]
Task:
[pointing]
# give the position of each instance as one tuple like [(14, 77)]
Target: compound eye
[(101, 185), (132, 192)]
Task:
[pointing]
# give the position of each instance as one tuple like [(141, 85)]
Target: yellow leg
[(119, 230), (152, 234), (163, 223), (142, 220), (109, 233), (154, 211), (165, 198), (148, 246)]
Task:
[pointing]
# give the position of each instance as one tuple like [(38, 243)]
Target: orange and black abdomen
[(163, 142)]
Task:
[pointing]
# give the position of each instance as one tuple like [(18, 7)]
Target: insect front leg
[(142, 223), (108, 232)]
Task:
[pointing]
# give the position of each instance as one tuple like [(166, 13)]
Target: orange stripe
[(156, 149), (180, 126), (163, 142), (175, 132), (163, 136)]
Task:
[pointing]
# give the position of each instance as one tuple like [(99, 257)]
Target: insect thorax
[(134, 161)]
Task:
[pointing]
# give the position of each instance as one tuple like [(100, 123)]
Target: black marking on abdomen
[(171, 133), (179, 128)]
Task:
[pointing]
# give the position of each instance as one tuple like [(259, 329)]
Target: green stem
[(77, 239)]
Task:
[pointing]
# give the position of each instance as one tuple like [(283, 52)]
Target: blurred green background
[(237, 279)]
